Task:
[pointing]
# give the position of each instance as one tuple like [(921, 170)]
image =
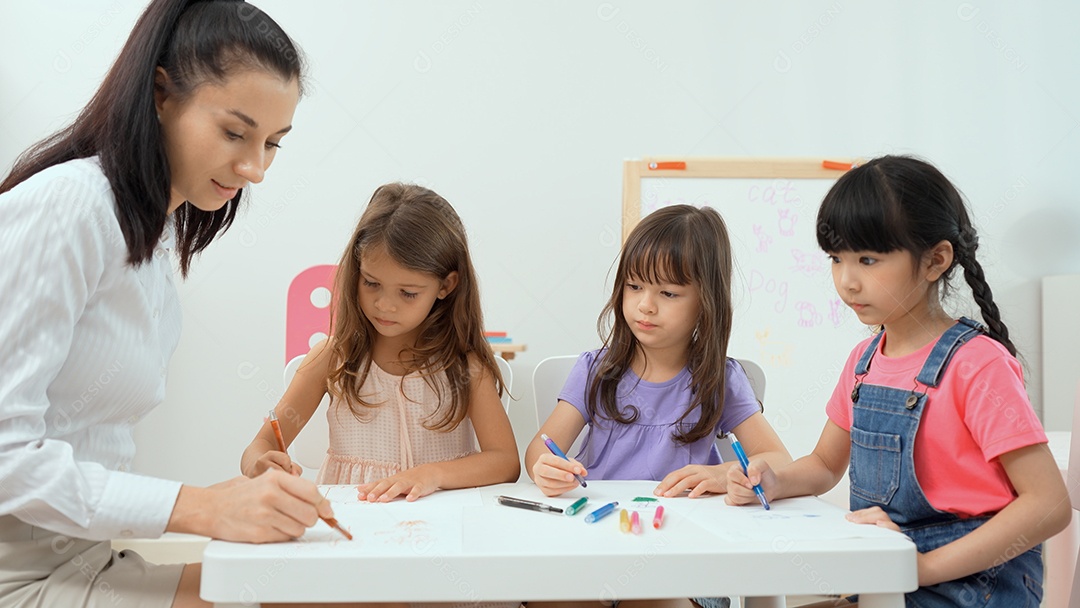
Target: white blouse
[(85, 339)]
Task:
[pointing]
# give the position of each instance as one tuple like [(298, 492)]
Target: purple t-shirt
[(646, 448)]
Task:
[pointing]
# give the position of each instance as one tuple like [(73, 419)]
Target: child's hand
[(555, 476), (413, 483), (274, 460), (740, 487), (873, 516), (697, 478)]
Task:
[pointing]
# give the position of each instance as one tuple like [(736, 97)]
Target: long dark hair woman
[(191, 113)]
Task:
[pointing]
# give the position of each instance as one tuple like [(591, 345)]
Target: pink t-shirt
[(978, 412)]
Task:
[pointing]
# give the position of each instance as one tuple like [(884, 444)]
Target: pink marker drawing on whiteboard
[(307, 310), (808, 314), (763, 238), (836, 311), (786, 221)]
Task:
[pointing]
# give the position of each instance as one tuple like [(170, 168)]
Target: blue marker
[(556, 451), (600, 513), (745, 462)]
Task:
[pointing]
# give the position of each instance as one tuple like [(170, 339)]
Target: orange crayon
[(330, 521)]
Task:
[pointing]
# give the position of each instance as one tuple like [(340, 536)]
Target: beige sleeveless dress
[(391, 438)]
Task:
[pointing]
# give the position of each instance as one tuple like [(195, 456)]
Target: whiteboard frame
[(716, 167)]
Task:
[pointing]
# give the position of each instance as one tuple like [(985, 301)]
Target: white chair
[(508, 380), (756, 375), (1073, 483), (551, 373), (309, 447), (548, 379)]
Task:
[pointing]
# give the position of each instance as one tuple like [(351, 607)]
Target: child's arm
[(1041, 509), (814, 474), (299, 402), (756, 436), (552, 474), (497, 461)]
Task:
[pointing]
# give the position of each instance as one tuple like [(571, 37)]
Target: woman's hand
[(272, 507), (555, 476), (414, 483), (699, 479)]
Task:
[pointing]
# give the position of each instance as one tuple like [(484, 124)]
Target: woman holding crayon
[(191, 113)]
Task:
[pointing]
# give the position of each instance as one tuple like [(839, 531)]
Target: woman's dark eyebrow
[(249, 121)]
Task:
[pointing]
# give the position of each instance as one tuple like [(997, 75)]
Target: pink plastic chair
[(307, 309)]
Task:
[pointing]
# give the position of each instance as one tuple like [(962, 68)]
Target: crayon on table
[(624, 520), (601, 513), (578, 505), (658, 518), (635, 523)]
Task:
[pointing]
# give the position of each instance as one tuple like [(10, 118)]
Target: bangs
[(861, 213), (664, 259)]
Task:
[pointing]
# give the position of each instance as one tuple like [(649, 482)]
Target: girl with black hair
[(191, 113), (931, 411)]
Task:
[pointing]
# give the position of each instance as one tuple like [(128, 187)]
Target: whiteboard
[(787, 316)]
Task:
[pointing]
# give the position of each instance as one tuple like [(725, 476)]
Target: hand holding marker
[(745, 462), (330, 521), (556, 451)]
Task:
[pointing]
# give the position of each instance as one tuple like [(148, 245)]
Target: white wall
[(520, 113)]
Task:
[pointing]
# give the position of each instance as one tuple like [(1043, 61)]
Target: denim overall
[(883, 426)]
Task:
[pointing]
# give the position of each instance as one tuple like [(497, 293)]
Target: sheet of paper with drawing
[(786, 520), (432, 524)]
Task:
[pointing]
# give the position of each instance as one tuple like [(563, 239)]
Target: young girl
[(191, 112), (943, 443), (409, 372), (657, 394)]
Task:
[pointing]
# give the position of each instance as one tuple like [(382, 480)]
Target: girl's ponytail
[(964, 250)]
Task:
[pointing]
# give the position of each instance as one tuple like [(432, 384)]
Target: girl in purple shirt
[(661, 388)]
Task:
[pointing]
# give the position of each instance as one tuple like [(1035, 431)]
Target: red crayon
[(658, 519)]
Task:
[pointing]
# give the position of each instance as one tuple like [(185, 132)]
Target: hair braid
[(967, 243)]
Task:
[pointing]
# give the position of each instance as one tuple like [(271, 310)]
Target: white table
[(463, 546)]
